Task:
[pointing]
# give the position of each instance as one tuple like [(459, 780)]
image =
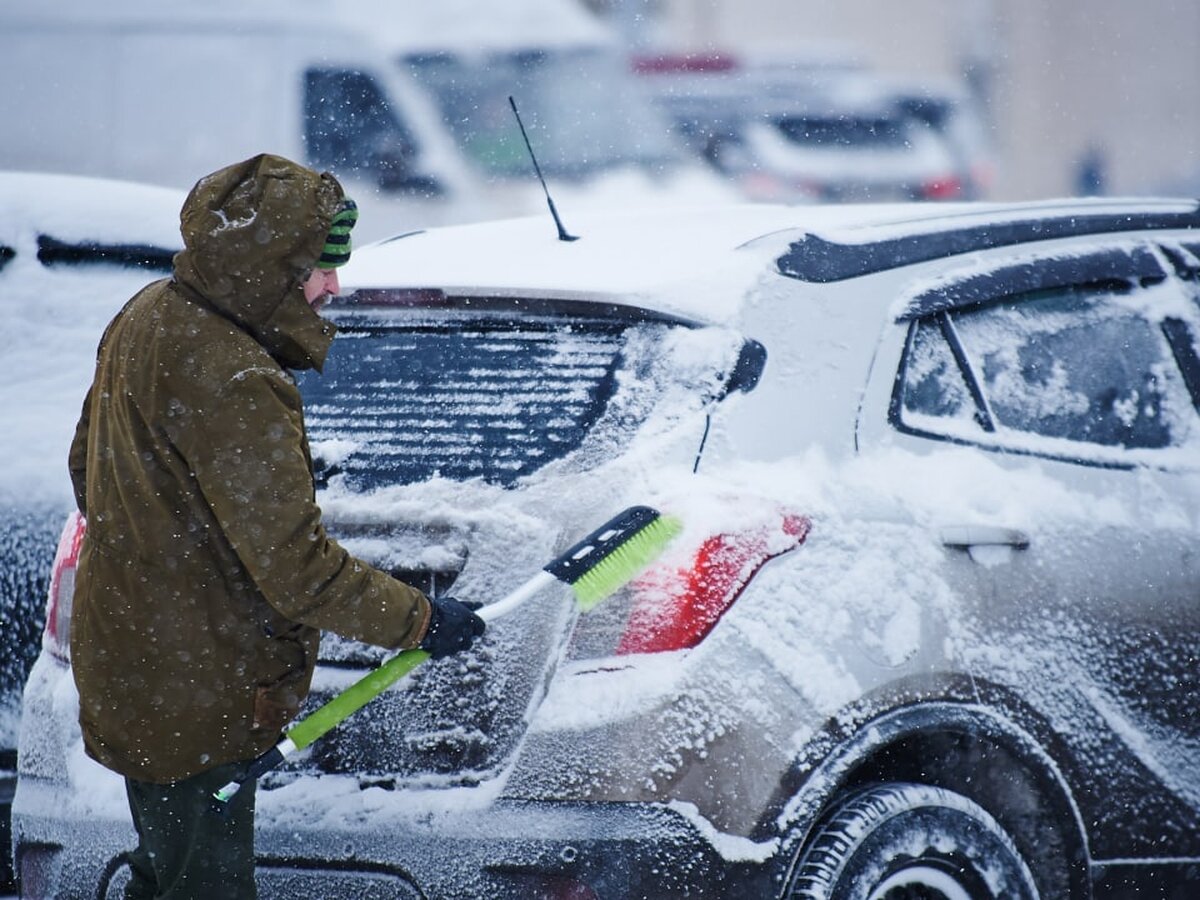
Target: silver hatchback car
[(931, 629)]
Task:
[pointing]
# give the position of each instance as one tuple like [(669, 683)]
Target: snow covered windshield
[(583, 112)]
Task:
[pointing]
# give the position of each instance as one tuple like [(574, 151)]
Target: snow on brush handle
[(339, 708), (326, 717), (568, 567), (352, 699)]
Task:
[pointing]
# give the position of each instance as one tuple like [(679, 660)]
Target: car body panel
[(1018, 603), (1091, 640)]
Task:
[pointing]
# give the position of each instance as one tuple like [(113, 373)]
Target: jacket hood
[(251, 233)]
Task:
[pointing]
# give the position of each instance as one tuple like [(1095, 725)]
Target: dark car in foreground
[(930, 629)]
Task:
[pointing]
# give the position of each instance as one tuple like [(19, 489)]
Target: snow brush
[(595, 568)]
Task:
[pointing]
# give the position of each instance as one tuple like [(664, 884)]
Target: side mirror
[(748, 368)]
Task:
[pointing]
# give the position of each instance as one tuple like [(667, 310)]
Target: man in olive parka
[(206, 575)]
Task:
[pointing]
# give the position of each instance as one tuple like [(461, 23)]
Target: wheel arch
[(973, 750)]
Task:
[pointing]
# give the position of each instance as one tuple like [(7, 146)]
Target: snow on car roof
[(697, 262), (622, 256), (77, 208)]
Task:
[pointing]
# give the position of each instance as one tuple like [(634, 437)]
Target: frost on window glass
[(933, 382), (1079, 366)]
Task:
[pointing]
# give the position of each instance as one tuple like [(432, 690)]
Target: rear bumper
[(507, 850)]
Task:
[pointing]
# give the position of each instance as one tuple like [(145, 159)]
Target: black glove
[(452, 627)]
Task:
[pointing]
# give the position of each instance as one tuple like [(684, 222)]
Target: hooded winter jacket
[(206, 574)]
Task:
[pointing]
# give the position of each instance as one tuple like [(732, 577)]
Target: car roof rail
[(814, 258), (1107, 265)]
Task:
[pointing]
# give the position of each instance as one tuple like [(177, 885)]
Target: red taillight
[(948, 188), (415, 297), (983, 174), (57, 637), (684, 63), (765, 187), (677, 608), (558, 887)]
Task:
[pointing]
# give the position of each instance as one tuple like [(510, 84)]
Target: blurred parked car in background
[(955, 115), (831, 134), (591, 124), (309, 85), (931, 626), (72, 251), (407, 103)]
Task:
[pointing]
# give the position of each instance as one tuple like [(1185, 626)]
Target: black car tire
[(910, 842)]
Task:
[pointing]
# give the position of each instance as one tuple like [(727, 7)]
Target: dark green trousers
[(187, 850)]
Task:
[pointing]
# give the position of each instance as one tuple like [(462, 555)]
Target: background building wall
[(1059, 76)]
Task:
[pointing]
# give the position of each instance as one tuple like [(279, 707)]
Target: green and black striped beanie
[(337, 245)]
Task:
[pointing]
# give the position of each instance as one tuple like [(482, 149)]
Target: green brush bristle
[(625, 562)]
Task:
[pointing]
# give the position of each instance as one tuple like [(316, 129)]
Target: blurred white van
[(167, 91)]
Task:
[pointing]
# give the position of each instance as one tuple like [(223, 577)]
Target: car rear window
[(402, 400), (844, 131)]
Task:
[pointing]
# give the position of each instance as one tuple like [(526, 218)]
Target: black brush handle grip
[(571, 565)]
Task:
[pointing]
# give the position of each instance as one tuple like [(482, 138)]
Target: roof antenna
[(562, 232)]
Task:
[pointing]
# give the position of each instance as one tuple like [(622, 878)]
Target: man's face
[(320, 285)]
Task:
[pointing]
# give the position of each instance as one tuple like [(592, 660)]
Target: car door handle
[(967, 536)]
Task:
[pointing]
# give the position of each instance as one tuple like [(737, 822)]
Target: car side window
[(935, 386), (1086, 364), (1183, 337), (1074, 365)]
